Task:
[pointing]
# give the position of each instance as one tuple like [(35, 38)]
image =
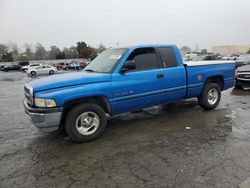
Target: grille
[(28, 96), (245, 76)]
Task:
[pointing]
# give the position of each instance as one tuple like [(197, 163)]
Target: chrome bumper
[(45, 119)]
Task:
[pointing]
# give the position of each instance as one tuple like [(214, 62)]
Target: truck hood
[(67, 79)]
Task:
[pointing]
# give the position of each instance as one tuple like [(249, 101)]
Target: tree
[(61, 55), (3, 49), (54, 50), (185, 50), (93, 53), (248, 52), (204, 51), (7, 57), (101, 48), (71, 52), (40, 52), (21, 58), (13, 48), (82, 49), (28, 50)]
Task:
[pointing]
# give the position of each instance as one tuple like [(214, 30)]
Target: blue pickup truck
[(122, 80)]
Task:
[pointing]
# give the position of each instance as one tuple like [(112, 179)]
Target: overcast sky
[(181, 22)]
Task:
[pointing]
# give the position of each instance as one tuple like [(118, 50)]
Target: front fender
[(66, 94)]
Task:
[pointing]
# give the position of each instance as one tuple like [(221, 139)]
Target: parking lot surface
[(176, 145)]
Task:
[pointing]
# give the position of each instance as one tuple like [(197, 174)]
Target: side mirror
[(128, 65)]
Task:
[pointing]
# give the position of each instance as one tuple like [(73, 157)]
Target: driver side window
[(145, 59)]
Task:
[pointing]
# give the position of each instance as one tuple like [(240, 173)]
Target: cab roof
[(148, 46)]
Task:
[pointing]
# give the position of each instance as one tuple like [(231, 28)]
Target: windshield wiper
[(89, 70)]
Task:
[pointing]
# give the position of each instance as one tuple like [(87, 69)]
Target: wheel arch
[(219, 79), (102, 101)]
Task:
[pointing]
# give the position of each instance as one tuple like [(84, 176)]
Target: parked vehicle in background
[(243, 60), (25, 68), (23, 63), (189, 57), (229, 58), (59, 66), (83, 65), (1, 67), (198, 58), (206, 58), (122, 80), (66, 66), (12, 68), (211, 57), (242, 76), (41, 70), (73, 65)]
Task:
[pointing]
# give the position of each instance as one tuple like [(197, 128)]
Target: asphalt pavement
[(176, 145)]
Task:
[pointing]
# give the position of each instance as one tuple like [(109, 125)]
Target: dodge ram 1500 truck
[(122, 80)]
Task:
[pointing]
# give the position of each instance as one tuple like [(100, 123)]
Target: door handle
[(160, 76)]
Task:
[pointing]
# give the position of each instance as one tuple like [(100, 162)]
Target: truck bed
[(203, 63), (199, 71)]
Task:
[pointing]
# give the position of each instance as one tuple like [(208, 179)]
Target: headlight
[(44, 103)]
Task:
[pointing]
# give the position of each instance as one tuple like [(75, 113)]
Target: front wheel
[(51, 72), (210, 96), (85, 122), (33, 74)]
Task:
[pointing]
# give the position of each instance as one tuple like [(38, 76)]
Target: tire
[(74, 122), (210, 96), (33, 73), (51, 72), (5, 70), (237, 87)]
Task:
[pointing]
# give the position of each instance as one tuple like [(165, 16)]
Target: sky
[(125, 22)]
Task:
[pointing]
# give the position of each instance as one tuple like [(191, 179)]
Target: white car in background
[(189, 57), (25, 68), (233, 58), (41, 70)]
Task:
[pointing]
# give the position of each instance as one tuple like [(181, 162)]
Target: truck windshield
[(106, 61)]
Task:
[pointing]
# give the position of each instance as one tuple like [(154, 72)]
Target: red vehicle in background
[(59, 66), (83, 65)]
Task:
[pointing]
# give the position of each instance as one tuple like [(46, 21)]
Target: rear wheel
[(85, 122), (210, 96)]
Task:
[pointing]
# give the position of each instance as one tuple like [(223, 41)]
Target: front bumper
[(45, 119), (242, 82)]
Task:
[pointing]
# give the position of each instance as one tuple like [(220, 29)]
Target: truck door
[(173, 85), (139, 88)]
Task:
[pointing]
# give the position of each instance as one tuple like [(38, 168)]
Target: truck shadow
[(240, 92), (170, 119)]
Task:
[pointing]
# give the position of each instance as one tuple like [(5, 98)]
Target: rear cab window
[(168, 57)]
